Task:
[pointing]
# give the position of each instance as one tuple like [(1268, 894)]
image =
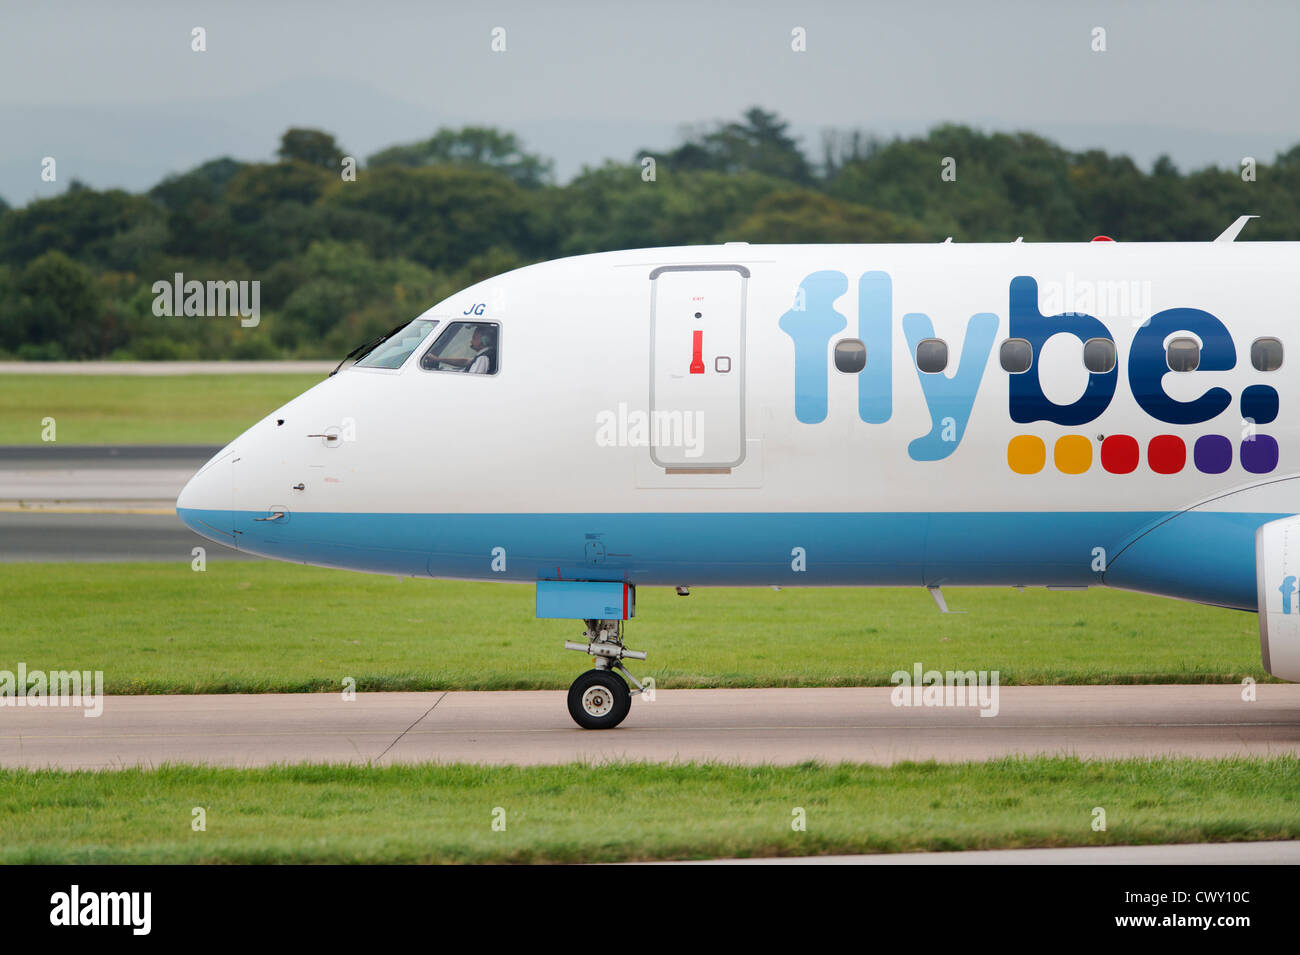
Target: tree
[(807, 216), (480, 146), (336, 295), (341, 261), (311, 146), (612, 208), (205, 183), (759, 144), (442, 216), (54, 310), (81, 222), (840, 147), (257, 188), (1005, 184)]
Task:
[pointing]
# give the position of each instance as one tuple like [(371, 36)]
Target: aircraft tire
[(599, 700)]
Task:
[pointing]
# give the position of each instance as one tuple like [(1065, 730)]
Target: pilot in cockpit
[(484, 344), (452, 352)]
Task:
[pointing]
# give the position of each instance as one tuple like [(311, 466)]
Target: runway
[(155, 368), (99, 536), (54, 455), (746, 726), (90, 477), (99, 503)]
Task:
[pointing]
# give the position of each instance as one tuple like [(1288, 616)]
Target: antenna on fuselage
[(1234, 230), (937, 593)]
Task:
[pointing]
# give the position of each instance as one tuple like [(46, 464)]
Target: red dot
[(1119, 454), (1102, 238), (1166, 454)]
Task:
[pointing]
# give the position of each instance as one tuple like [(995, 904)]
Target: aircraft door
[(697, 366)]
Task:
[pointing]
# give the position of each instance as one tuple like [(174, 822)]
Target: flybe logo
[(813, 322), (1287, 590)]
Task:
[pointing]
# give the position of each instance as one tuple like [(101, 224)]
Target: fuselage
[(680, 416)]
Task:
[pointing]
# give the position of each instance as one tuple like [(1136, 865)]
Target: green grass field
[(274, 627), (616, 812), (137, 409)]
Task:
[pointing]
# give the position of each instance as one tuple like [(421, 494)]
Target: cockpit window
[(392, 351), (466, 347)]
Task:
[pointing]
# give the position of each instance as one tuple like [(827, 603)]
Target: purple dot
[(1212, 454), (1260, 455), (1259, 404)]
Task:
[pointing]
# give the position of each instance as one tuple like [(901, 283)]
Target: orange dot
[(1026, 453), (1073, 454)]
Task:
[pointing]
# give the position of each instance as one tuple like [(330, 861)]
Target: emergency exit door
[(697, 366)]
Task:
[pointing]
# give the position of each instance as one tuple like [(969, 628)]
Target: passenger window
[(1016, 355), (932, 355), (397, 347), (1266, 354), (465, 347), (1183, 354), (1099, 355), (850, 356)]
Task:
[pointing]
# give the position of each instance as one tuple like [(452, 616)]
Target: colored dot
[(1166, 454), (1026, 454), (1212, 454), (1073, 454), (1259, 403), (1259, 456), (1119, 454)]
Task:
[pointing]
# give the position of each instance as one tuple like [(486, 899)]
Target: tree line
[(343, 253)]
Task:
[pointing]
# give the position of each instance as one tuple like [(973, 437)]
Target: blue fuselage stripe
[(1205, 556)]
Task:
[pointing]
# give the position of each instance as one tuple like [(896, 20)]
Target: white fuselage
[(779, 468)]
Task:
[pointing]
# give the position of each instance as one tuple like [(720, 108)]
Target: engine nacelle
[(1277, 570)]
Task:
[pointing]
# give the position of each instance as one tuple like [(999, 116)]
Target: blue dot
[(1259, 402), (1259, 455), (1212, 454)]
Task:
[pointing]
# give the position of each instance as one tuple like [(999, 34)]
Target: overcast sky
[(114, 92)]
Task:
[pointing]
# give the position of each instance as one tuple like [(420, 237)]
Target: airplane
[(1064, 415)]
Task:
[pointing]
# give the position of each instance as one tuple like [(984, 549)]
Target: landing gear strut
[(599, 699)]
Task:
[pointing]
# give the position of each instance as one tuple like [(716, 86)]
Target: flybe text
[(814, 322)]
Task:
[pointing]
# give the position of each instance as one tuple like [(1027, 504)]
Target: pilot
[(484, 344)]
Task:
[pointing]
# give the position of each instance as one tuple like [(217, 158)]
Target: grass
[(630, 811), (134, 409), (274, 627)]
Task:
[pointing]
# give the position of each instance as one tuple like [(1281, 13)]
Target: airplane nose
[(205, 504)]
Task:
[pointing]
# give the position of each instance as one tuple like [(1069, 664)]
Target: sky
[(115, 93)]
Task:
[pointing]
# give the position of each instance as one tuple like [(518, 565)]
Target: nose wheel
[(600, 699)]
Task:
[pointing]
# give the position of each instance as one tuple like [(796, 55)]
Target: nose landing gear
[(599, 699)]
